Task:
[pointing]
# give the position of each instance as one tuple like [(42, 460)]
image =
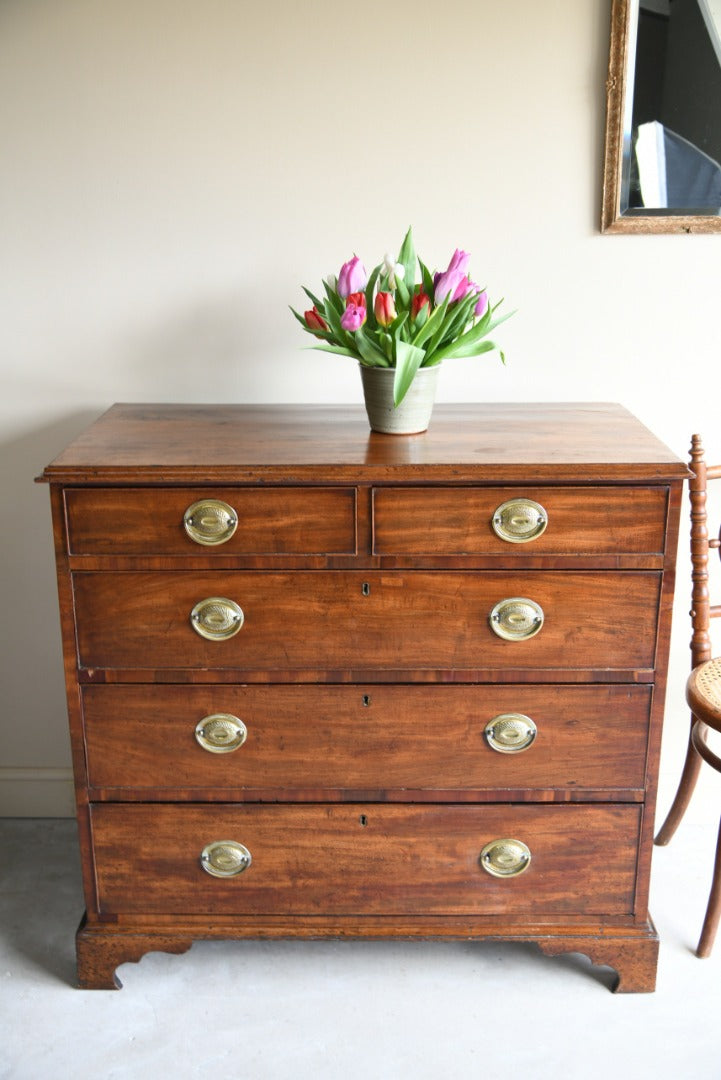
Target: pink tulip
[(352, 277), (481, 304), (459, 261), (353, 317), (453, 282)]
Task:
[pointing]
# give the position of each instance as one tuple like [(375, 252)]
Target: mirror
[(663, 117)]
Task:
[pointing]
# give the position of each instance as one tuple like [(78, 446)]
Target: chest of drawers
[(327, 682)]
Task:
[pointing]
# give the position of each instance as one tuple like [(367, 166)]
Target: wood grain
[(457, 520), (408, 620), (366, 671), (365, 858), (271, 521), (237, 444), (396, 741)]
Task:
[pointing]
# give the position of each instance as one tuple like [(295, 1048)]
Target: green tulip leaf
[(369, 351), (402, 292), (427, 279), (434, 320), (339, 350), (407, 259), (370, 287), (334, 300), (497, 322), (457, 350), (408, 359)]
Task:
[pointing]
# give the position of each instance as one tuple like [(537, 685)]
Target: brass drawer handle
[(510, 733), (519, 521), (516, 618), (216, 618), (505, 858), (210, 522), (225, 858), (220, 733)]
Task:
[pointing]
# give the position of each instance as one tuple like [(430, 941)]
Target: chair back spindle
[(703, 688)]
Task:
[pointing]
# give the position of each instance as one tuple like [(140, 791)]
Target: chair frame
[(702, 612)]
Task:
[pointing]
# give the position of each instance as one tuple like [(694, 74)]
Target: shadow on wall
[(215, 349), (31, 671)]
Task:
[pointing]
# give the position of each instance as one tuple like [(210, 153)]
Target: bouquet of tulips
[(390, 319)]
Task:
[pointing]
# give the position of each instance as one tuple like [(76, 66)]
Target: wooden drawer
[(365, 858), (459, 520), (271, 521), (389, 740), (356, 621)]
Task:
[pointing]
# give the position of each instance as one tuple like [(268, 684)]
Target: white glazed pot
[(413, 415)]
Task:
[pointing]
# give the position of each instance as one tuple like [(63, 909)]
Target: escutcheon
[(505, 858), (225, 858), (216, 618), (516, 619), (221, 733), (519, 521), (210, 522)]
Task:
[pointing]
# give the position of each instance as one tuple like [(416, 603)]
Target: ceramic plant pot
[(413, 415)]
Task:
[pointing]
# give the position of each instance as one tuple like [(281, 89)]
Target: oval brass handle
[(220, 733), (505, 858), (510, 733), (216, 618), (516, 618), (210, 522), (225, 858), (519, 521)]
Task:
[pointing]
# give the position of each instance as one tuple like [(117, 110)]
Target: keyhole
[(363, 820), (366, 589), (366, 700)]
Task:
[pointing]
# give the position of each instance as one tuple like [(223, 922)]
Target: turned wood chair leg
[(713, 911), (687, 784)]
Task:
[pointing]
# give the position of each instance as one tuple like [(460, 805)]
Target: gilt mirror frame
[(618, 91)]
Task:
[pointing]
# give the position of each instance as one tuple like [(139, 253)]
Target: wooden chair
[(703, 689)]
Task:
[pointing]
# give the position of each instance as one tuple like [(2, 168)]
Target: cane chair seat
[(703, 693)]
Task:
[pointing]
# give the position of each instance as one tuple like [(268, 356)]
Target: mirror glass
[(663, 149)]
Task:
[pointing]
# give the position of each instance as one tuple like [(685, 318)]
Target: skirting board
[(36, 793)]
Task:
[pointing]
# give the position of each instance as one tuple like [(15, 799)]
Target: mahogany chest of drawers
[(327, 682)]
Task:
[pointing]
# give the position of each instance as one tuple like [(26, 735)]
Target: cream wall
[(172, 171)]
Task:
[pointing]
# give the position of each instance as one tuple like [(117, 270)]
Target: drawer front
[(573, 521), (350, 738), (334, 620), (227, 521), (366, 858)]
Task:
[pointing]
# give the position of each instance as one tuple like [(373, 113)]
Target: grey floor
[(345, 1010)]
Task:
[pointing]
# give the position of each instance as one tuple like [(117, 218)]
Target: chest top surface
[(184, 443)]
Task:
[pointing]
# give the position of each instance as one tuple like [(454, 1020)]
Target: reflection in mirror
[(663, 137)]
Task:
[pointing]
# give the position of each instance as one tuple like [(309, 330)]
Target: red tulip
[(384, 308), (314, 319), (420, 301)]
